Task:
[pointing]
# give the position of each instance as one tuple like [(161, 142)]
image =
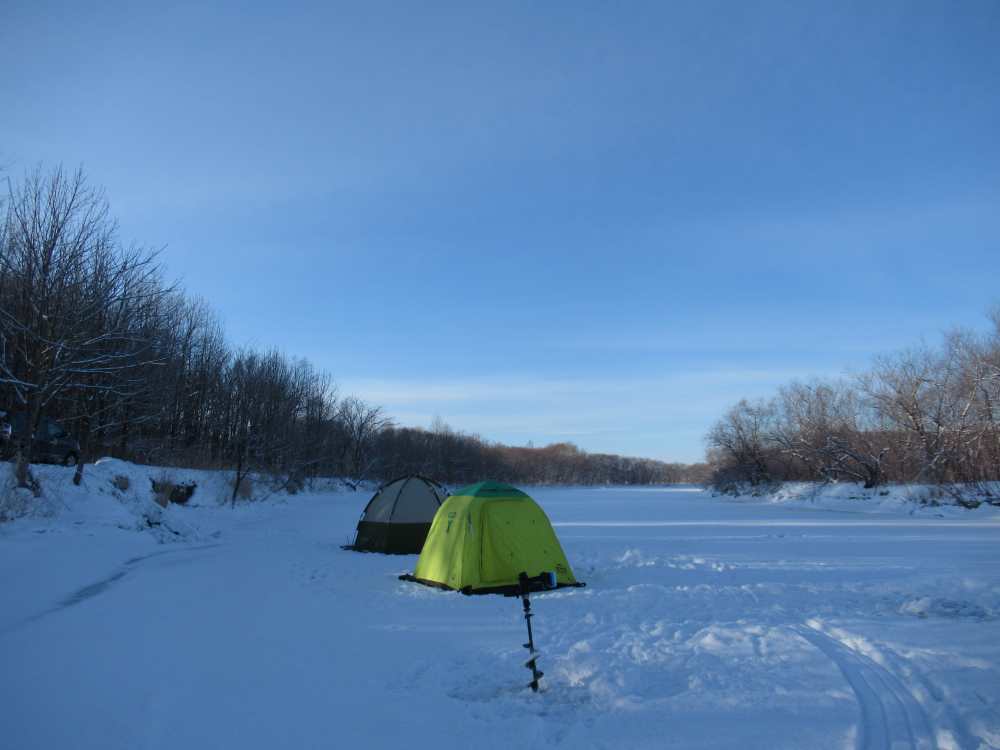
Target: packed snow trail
[(705, 624)]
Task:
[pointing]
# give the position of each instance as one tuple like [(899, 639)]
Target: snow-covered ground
[(706, 623)]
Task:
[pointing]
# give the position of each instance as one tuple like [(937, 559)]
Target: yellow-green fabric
[(484, 535)]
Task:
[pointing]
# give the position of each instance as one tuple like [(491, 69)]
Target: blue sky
[(550, 221)]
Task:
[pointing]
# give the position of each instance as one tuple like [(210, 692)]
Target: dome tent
[(483, 536), (398, 517)]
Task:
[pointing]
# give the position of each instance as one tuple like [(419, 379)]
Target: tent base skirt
[(390, 538), (507, 590)]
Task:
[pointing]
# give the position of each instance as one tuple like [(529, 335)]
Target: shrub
[(181, 493), (166, 490), (162, 487), (161, 491)]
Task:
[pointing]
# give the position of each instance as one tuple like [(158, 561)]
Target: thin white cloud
[(390, 392)]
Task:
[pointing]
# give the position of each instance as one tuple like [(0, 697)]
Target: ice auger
[(526, 585)]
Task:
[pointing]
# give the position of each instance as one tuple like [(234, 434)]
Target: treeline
[(462, 458), (92, 334), (925, 415)]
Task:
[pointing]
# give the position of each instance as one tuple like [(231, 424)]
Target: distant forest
[(94, 335), (929, 415)]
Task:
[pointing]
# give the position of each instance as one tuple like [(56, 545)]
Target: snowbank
[(896, 499), (122, 495)]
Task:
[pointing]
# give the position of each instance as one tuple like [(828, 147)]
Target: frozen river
[(705, 624)]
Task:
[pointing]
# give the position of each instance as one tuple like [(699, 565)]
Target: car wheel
[(70, 459)]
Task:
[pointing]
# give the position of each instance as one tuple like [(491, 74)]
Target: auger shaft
[(532, 662)]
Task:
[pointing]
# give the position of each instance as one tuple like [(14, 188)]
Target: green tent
[(483, 536)]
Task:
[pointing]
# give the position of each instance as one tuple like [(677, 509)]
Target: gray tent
[(398, 517)]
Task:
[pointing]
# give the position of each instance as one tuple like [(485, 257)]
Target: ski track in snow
[(891, 718), (91, 590)]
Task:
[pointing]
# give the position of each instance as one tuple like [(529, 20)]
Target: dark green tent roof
[(489, 489)]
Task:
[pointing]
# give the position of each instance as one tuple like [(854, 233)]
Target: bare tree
[(741, 438), (67, 288), (921, 415), (361, 423)]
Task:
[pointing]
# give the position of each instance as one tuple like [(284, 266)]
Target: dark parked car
[(50, 442)]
